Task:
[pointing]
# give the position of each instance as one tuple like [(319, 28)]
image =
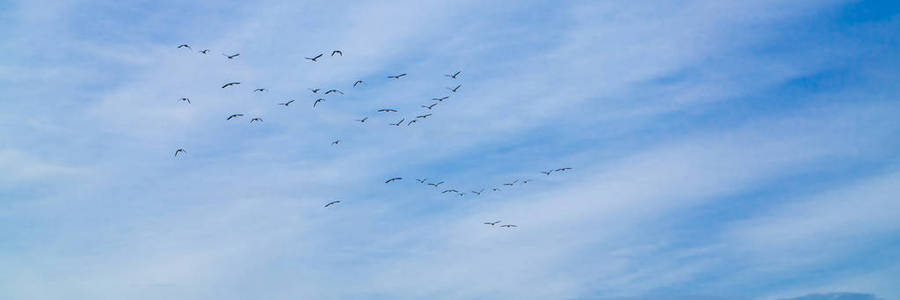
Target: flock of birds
[(321, 99)]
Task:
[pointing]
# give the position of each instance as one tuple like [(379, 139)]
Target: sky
[(719, 150)]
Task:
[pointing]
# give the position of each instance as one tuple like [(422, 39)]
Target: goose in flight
[(511, 184), (317, 101), (231, 56), (508, 225), (358, 82), (184, 46), (287, 103), (260, 90), (562, 169), (398, 123), (204, 51), (336, 142), (337, 52), (526, 180), (332, 203), (449, 191), (314, 58), (435, 184), (547, 172), (495, 189), (423, 116), (454, 75), (387, 110), (478, 192), (234, 116), (421, 180), (397, 76), (363, 120), (315, 91), (492, 223), (255, 120), (333, 91), (454, 89), (393, 179), (186, 100), (441, 99), (429, 107), (180, 150), (230, 84), (411, 122)]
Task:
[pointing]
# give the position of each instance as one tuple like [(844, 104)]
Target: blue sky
[(731, 150)]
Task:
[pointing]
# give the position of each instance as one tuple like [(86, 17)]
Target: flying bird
[(234, 116), (429, 106), (336, 142), (317, 101), (454, 89), (421, 180), (184, 46), (411, 122), (441, 99), (314, 90), (547, 172), (478, 192), (357, 82), (180, 150), (454, 75), (230, 84), (363, 120), (435, 184), (508, 225), (387, 110), (204, 51), (332, 203), (423, 116), (314, 58), (231, 56), (562, 169), (526, 180), (186, 100), (398, 123), (448, 191), (287, 103), (511, 184), (397, 76), (255, 120), (393, 179), (337, 52), (333, 91), (495, 189), (492, 223), (260, 90)]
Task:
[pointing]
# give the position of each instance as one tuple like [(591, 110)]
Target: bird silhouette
[(234, 116), (562, 169), (478, 192), (180, 150), (508, 225), (411, 122), (357, 82), (363, 120), (397, 76), (317, 101), (332, 203), (184, 46), (435, 184), (393, 179), (260, 90), (492, 223), (454, 89), (315, 90), (449, 191), (186, 100), (547, 172), (255, 120), (204, 51), (230, 84), (423, 116), (287, 103), (231, 56), (511, 184), (421, 180), (314, 58), (454, 75), (333, 91), (429, 107), (495, 189), (398, 123), (387, 110), (441, 99), (337, 52), (336, 142)]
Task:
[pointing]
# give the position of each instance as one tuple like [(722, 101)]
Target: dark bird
[(411, 122), (387, 110), (259, 90), (478, 192), (184, 46), (448, 191), (180, 150), (336, 142), (562, 169), (255, 120), (314, 58), (397, 76), (454, 89), (332, 203), (234, 116), (429, 106), (314, 90), (393, 179), (357, 82), (398, 123), (231, 56), (547, 172), (333, 91), (421, 180), (461, 194), (204, 51), (363, 120), (423, 116), (441, 98), (337, 52), (508, 225), (435, 184), (526, 180), (495, 189), (230, 84), (511, 184), (317, 101), (454, 75), (287, 103), (492, 223), (186, 100)]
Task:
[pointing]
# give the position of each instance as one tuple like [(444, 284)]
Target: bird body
[(231, 56), (234, 116), (314, 58), (287, 103), (399, 122), (315, 91), (337, 52), (260, 90), (184, 46), (492, 223), (333, 91), (186, 100), (204, 51), (441, 99), (256, 120), (449, 191), (429, 106), (454, 75), (357, 82), (508, 225), (180, 150), (454, 89), (332, 203), (387, 110), (436, 184), (317, 101), (363, 120), (411, 122), (397, 76), (393, 179), (421, 180), (336, 142), (230, 84), (423, 116)]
